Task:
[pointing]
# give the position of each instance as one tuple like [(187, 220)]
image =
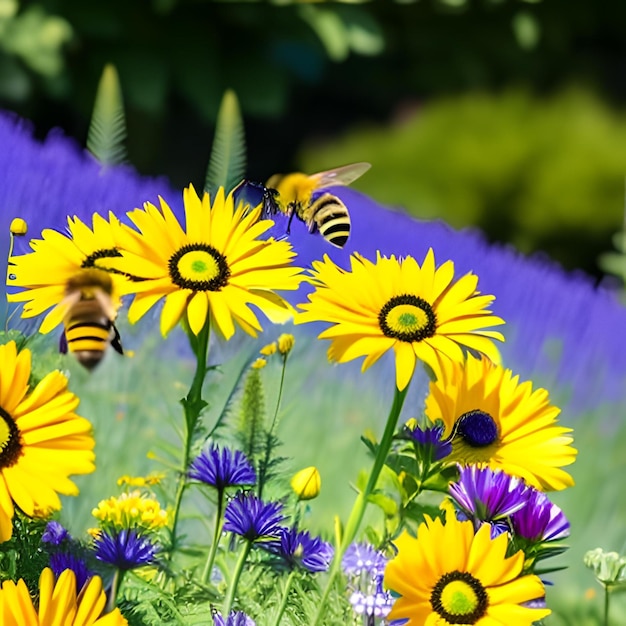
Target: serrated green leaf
[(227, 165), (107, 130)]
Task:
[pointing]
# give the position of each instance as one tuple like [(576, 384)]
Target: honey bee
[(303, 195), (89, 321)]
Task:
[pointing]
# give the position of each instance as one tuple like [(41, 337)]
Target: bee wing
[(343, 175)]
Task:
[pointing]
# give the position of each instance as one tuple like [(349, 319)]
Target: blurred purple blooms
[(298, 549), (251, 518), (61, 561), (556, 321), (222, 468), (55, 534), (362, 558)]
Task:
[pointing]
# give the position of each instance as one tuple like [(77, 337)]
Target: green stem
[(263, 465), (232, 587), (216, 537), (283, 604), (606, 605), (192, 405), (115, 587), (360, 504)]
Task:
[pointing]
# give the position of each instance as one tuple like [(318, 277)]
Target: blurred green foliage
[(540, 173)]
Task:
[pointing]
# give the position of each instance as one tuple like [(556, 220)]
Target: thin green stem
[(115, 587), (360, 504), (232, 587), (606, 605), (192, 405), (268, 447), (283, 604), (216, 537)]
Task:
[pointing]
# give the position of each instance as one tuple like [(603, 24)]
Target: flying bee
[(88, 322), (299, 194)]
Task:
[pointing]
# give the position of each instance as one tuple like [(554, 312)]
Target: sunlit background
[(507, 116)]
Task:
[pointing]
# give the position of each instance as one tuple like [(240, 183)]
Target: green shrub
[(539, 173)]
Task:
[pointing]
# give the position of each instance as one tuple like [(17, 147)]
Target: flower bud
[(286, 343), (18, 227), (608, 567), (269, 349), (307, 483), (260, 363)]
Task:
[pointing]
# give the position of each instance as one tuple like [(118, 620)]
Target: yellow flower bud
[(285, 343), (307, 483), (18, 227), (269, 349), (260, 363), (411, 423)]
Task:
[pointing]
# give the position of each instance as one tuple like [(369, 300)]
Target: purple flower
[(377, 603), (299, 549), (235, 618), (61, 561), (540, 520), (429, 440), (485, 495), (222, 468), (55, 534), (363, 558), (124, 549), (250, 517)]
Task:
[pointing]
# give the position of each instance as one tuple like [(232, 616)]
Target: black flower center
[(407, 318), (10, 444), (459, 598), (477, 428), (199, 267)]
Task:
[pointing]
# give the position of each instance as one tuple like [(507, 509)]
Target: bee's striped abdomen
[(330, 215)]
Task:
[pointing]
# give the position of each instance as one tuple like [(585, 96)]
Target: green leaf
[(227, 165), (107, 130)]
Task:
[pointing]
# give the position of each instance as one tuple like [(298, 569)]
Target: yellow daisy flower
[(496, 420), (419, 312), (42, 440), (216, 267), (449, 575), (47, 273), (58, 603)]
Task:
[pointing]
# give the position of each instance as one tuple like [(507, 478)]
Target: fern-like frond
[(227, 165), (107, 130)]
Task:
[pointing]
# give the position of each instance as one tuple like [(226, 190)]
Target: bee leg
[(63, 343), (116, 341), (291, 214)]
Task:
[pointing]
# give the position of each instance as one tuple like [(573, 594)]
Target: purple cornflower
[(377, 603), (222, 468), (298, 549), (363, 558), (486, 495), (61, 561), (55, 534), (540, 520), (125, 549), (235, 618), (429, 441), (250, 517)]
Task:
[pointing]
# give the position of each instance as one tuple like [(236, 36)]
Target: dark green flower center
[(477, 428), (407, 318), (459, 598), (199, 267), (10, 444)]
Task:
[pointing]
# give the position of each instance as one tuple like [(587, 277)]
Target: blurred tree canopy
[(301, 70)]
